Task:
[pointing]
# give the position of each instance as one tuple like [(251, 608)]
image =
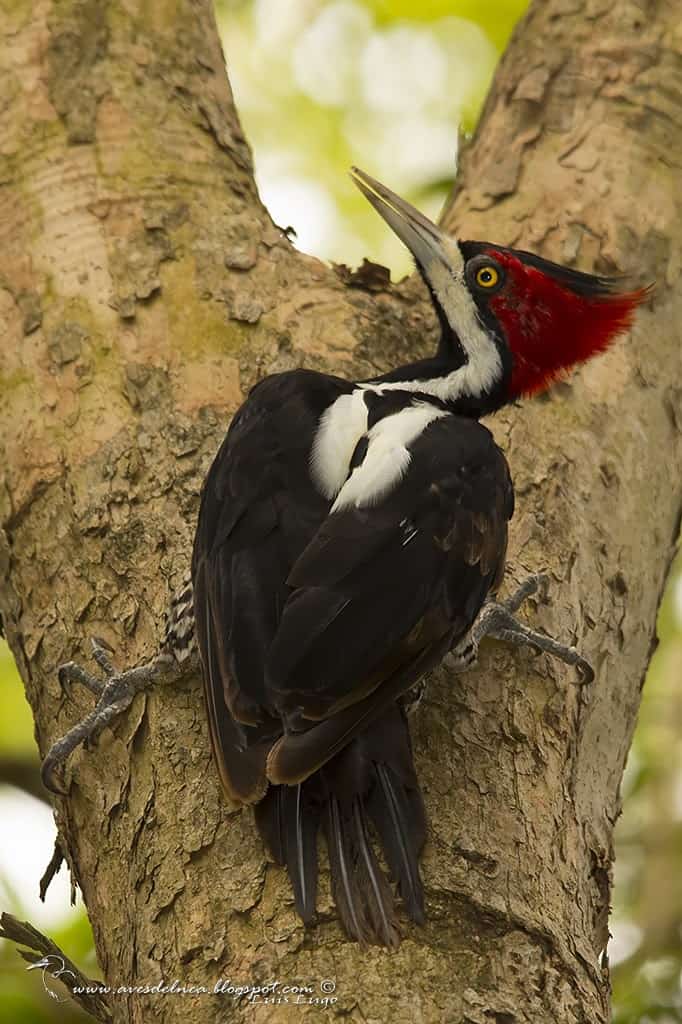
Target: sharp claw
[(47, 774), (100, 652), (114, 696), (97, 641), (585, 671), (534, 584)]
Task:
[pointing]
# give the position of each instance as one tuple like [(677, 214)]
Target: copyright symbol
[(328, 986)]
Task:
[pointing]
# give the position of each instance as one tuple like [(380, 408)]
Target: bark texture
[(143, 289)]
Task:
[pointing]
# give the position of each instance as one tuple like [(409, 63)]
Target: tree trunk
[(143, 290)]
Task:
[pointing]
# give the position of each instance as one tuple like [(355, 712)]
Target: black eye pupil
[(484, 276)]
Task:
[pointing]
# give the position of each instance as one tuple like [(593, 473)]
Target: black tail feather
[(288, 820), (379, 898), (399, 818), (361, 890), (372, 780), (344, 885)]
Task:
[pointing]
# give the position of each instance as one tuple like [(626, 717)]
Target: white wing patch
[(387, 457), (341, 427)]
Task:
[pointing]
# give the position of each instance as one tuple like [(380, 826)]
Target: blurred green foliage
[(385, 84), (321, 85), (496, 19), (16, 721), (647, 916)]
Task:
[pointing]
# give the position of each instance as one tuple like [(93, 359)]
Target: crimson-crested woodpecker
[(352, 534)]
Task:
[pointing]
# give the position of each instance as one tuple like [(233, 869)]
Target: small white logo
[(52, 966)]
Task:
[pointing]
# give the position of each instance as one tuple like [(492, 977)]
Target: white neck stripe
[(483, 366), (471, 379)]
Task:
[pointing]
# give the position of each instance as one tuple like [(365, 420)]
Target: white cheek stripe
[(341, 427), (483, 367), (387, 457)]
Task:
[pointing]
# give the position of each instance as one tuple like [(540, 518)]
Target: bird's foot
[(496, 620), (115, 694)]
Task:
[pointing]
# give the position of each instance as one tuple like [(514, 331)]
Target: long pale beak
[(427, 243)]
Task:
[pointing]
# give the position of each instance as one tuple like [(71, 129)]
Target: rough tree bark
[(143, 289)]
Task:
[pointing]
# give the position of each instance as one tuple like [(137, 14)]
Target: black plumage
[(312, 622)]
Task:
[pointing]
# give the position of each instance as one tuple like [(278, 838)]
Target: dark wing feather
[(241, 768), (296, 755), (380, 585), (258, 511)]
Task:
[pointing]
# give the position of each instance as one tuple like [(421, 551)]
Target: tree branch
[(43, 954)]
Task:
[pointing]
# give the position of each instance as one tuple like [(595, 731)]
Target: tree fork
[(143, 290)]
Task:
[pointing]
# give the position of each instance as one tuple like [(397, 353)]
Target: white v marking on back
[(387, 457), (341, 427)]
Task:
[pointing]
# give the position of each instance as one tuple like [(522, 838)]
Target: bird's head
[(519, 321)]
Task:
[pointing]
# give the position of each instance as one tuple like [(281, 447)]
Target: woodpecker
[(351, 535)]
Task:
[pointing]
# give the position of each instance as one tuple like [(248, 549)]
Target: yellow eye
[(487, 277)]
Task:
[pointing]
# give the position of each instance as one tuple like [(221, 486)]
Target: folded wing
[(259, 509), (383, 590)]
